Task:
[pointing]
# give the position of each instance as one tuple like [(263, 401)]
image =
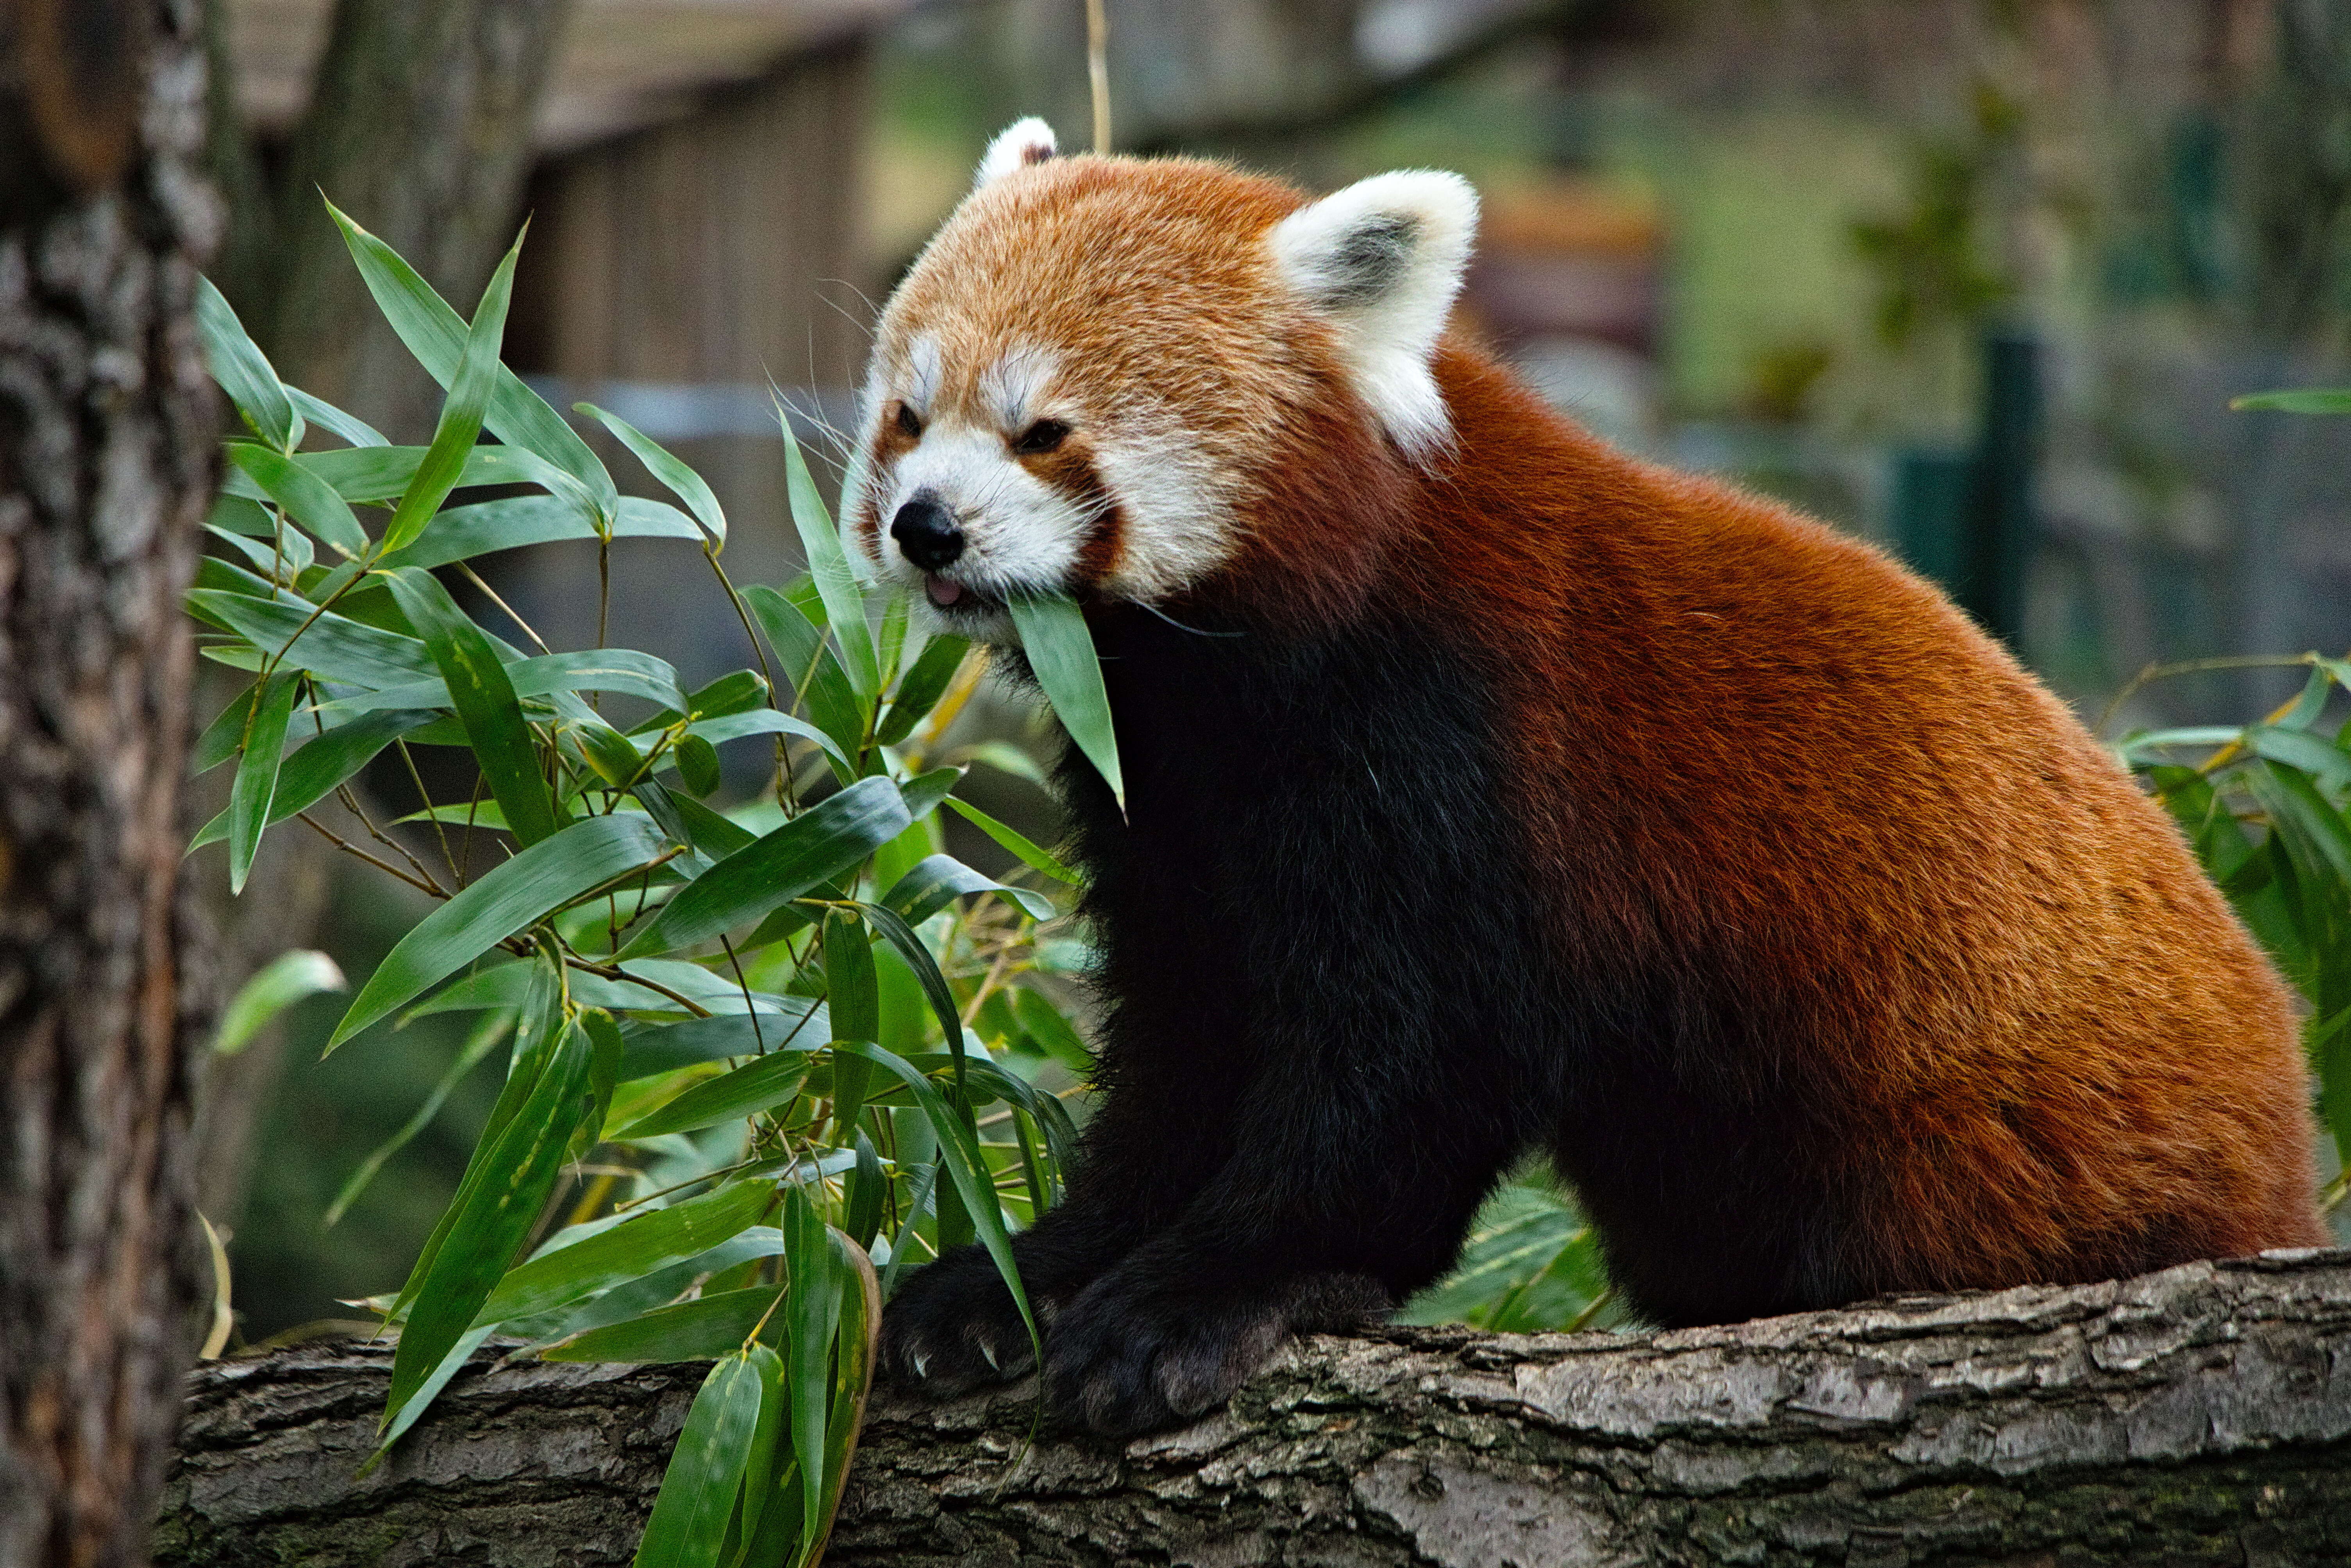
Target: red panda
[(1489, 791)]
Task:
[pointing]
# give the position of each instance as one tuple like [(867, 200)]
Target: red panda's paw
[(1126, 1357), (952, 1327)]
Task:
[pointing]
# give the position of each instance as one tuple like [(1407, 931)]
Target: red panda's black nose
[(926, 532)]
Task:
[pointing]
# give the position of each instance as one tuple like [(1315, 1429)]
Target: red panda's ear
[(1022, 144), (1382, 261)]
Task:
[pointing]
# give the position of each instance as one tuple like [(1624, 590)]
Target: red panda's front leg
[(1333, 1207)]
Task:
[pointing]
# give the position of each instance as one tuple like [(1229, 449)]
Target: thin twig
[(430, 812), (349, 848), (475, 579), (1098, 72)]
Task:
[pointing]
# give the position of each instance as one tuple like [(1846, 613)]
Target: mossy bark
[(2198, 1416)]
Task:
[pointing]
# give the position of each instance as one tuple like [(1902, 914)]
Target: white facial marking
[(1382, 260), (1012, 387), (923, 368), (1178, 529)]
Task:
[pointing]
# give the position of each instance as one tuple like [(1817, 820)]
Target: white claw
[(922, 1362), (989, 1351)]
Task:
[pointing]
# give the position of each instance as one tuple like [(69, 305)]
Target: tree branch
[(2198, 1416)]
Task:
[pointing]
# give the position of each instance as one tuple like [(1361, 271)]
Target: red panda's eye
[(910, 424), (1041, 437)]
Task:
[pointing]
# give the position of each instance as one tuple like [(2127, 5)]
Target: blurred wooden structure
[(696, 233)]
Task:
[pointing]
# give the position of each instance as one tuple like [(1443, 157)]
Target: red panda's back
[(1974, 968)]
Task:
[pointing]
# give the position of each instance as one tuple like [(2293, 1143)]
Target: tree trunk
[(108, 426), (2198, 1416)]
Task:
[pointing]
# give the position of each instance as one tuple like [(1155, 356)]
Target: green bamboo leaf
[(820, 684), (854, 992), (256, 774), (1015, 842), (460, 533), (461, 414), (772, 1080), (634, 1298), (967, 1169), (2300, 400), (688, 820), (506, 984), (920, 690), (635, 1247), (1044, 1025), (698, 764), (307, 499), (925, 966), (327, 416), (937, 881), (509, 898), (2300, 748), (1060, 652), (323, 765), (680, 480), (493, 1213), (287, 979), (767, 721), (700, 1329), (828, 563), (764, 1465), (811, 1314), (867, 1188), (484, 699), (332, 646), (595, 670), (2296, 807), (665, 1048), (813, 847), (479, 1043), (400, 1421), (437, 335), (706, 1471), (244, 370), (364, 475)]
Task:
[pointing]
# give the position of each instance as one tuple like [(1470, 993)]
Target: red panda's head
[(1120, 378)]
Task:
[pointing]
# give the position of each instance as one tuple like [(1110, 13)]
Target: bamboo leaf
[(920, 690), (665, 1048), (959, 1153), (811, 1313), (595, 670), (705, 1470), (461, 413), (244, 370), (509, 898), (2302, 400), (478, 1044), (327, 416), (819, 683), (460, 533), (437, 335), (674, 477), (287, 979), (493, 1213), (813, 847), (307, 499), (256, 774), (484, 699), (828, 563), (925, 966), (937, 881), (710, 1326), (1061, 651), (1015, 842), (322, 765), (649, 1241), (332, 646), (770, 1081)]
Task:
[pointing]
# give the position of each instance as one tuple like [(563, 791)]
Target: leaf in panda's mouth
[(1062, 652)]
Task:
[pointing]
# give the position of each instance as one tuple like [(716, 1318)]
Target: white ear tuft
[(1023, 143), (1383, 260)]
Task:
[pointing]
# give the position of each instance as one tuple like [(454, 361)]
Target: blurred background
[(1974, 279)]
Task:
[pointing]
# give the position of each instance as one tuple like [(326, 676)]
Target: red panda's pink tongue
[(942, 592)]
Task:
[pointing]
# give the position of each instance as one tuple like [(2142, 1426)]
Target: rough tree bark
[(107, 449), (2198, 1416)]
